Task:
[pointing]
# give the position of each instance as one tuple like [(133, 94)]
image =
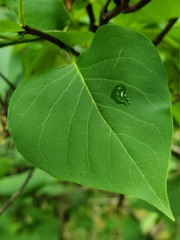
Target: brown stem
[(123, 7), (90, 13), (125, 3), (162, 34), (18, 193), (105, 8), (45, 36), (104, 11), (12, 86), (121, 199), (2, 102), (136, 6)]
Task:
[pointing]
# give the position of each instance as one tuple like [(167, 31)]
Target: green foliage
[(50, 15), (91, 107), (65, 128)]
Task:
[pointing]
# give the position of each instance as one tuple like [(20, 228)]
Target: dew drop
[(119, 95)]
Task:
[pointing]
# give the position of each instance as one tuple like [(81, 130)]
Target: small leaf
[(65, 121), (8, 26), (45, 14), (72, 38)]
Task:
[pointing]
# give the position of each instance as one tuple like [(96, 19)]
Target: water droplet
[(119, 95)]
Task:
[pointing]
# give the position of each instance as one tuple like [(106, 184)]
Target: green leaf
[(8, 26), (65, 121), (72, 38), (162, 9), (45, 14)]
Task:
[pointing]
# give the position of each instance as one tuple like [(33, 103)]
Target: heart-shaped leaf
[(103, 121)]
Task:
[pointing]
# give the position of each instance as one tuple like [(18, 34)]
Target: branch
[(162, 34), (17, 194), (1, 102), (4, 104), (121, 7), (19, 42), (136, 6), (104, 11), (105, 8), (125, 3), (12, 86), (121, 199), (45, 36), (90, 13)]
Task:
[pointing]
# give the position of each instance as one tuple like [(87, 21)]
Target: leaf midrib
[(149, 185)]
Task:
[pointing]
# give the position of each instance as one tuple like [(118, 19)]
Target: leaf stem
[(162, 34), (12, 86), (18, 193), (45, 36), (20, 13)]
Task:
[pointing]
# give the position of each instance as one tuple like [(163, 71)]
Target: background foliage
[(49, 208)]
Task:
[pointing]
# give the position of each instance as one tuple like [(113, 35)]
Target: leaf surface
[(65, 122), (45, 14)]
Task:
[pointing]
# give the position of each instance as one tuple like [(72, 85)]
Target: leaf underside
[(65, 122)]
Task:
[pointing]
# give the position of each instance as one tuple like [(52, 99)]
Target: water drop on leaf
[(119, 95)]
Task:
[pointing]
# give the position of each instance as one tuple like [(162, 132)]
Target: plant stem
[(20, 13), (90, 13), (19, 42), (12, 86), (123, 7), (162, 34), (136, 6), (45, 36), (16, 194)]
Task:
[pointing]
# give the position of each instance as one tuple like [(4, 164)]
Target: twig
[(122, 7), (136, 6), (90, 13), (6, 44), (19, 42), (4, 105), (125, 3), (1, 102), (18, 170), (105, 8), (45, 36), (17, 194), (162, 34), (121, 199), (104, 11), (12, 86)]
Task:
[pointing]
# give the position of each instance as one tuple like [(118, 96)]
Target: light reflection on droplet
[(119, 95)]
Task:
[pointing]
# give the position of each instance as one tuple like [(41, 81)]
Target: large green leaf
[(65, 122)]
